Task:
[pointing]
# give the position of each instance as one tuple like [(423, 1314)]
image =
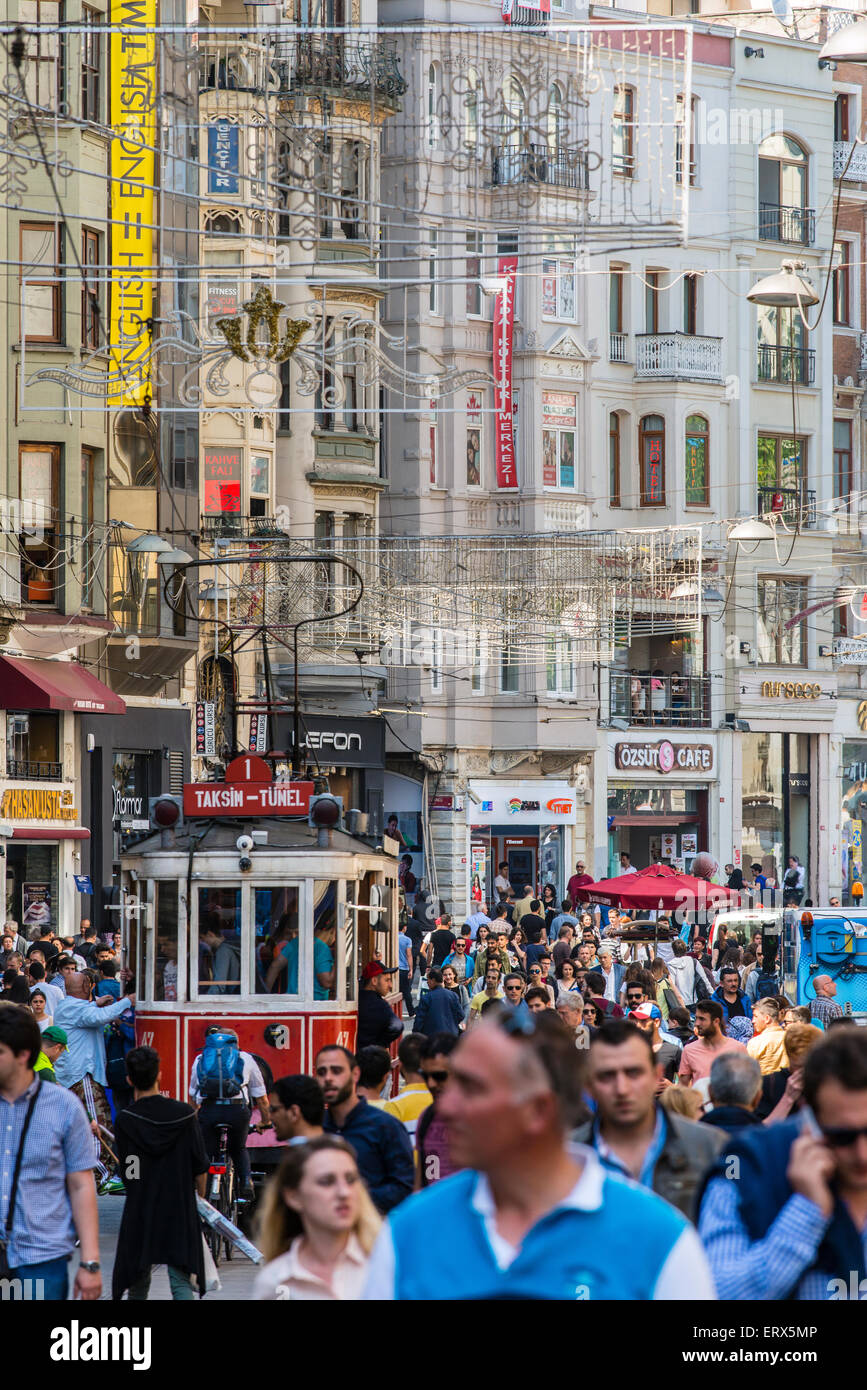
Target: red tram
[(256, 924)]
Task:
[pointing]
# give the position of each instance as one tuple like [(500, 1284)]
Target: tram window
[(350, 936), (219, 941), (165, 983), (324, 938), (276, 941)]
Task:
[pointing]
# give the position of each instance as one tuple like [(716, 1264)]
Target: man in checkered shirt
[(823, 1008), (784, 1212)]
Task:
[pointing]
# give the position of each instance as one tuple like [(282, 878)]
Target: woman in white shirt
[(317, 1227), (39, 1009)]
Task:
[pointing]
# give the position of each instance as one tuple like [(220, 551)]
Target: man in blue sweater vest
[(530, 1217)]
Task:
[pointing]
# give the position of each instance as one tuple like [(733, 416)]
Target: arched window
[(697, 462), (555, 121), (434, 128), (651, 460), (784, 179), (514, 113), (623, 131), (471, 110)]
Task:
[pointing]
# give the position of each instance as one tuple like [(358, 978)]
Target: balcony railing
[(794, 225), (679, 356), (795, 505), (333, 61), (786, 364), (218, 525), (661, 700), (618, 347), (857, 170), (539, 164), (341, 64), (34, 772)]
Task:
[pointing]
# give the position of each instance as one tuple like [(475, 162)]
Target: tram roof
[(219, 836)]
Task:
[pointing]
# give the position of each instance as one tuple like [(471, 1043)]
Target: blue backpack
[(221, 1069)]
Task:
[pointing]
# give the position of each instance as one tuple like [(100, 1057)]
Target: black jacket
[(383, 1151), (161, 1153), (378, 1024), (730, 1117)]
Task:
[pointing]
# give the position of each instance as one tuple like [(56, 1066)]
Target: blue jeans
[(179, 1283), (53, 1275)]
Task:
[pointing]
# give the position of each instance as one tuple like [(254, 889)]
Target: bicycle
[(222, 1193)]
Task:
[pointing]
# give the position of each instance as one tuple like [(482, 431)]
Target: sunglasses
[(844, 1138), (440, 1076)]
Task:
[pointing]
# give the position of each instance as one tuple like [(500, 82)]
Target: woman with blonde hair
[(682, 1100), (317, 1226)]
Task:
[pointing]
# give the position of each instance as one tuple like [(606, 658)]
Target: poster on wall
[(478, 871), (668, 845), (689, 844), (36, 905), (222, 480)]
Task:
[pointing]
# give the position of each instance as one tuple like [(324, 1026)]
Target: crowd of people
[(575, 1115)]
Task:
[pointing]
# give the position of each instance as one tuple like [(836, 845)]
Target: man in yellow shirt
[(493, 989), (414, 1095), (768, 1043)]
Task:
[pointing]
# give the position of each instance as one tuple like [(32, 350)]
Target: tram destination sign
[(203, 799)]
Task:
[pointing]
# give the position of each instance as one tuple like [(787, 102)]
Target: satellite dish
[(783, 10)]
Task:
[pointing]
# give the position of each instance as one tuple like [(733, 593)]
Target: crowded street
[(433, 667)]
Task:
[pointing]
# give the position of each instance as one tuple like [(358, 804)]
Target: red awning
[(30, 684), (46, 832)]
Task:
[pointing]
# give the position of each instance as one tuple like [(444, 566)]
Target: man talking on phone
[(784, 1210)]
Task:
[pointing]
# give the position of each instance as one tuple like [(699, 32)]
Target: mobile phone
[(808, 1123)]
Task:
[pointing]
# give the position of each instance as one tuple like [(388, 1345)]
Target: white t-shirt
[(252, 1083)]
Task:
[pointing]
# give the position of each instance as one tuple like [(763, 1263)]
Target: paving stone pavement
[(236, 1275)]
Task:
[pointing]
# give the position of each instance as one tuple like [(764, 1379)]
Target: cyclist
[(224, 1082)]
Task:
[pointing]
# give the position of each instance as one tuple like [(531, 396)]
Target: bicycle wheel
[(230, 1209), (215, 1240)]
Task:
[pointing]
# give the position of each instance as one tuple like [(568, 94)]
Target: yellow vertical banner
[(133, 58)]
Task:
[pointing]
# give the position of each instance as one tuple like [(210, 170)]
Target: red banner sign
[(202, 799), (504, 321)]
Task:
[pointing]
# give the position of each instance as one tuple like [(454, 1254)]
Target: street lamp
[(785, 289), (752, 530), (847, 45), (174, 557), (148, 544)]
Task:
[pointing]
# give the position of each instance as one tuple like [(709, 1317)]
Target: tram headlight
[(245, 863), (244, 844)]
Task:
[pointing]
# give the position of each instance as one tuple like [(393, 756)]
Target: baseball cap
[(645, 1011), (374, 968), (55, 1035)]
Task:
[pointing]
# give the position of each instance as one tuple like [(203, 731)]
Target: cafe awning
[(28, 684)]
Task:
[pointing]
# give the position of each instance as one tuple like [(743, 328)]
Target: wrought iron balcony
[(220, 525), (33, 772), (795, 505), (234, 64), (341, 64), (559, 168), (786, 364), (857, 166), (645, 699), (678, 356), (796, 226), (618, 347)]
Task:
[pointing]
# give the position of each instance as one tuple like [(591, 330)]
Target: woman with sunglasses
[(537, 975), (550, 906), (317, 1226)]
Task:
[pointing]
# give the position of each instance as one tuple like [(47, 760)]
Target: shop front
[(853, 813), (659, 800), (43, 856), (526, 825), (786, 806), (349, 750)]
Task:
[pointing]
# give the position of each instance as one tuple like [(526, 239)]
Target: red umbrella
[(660, 886)]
